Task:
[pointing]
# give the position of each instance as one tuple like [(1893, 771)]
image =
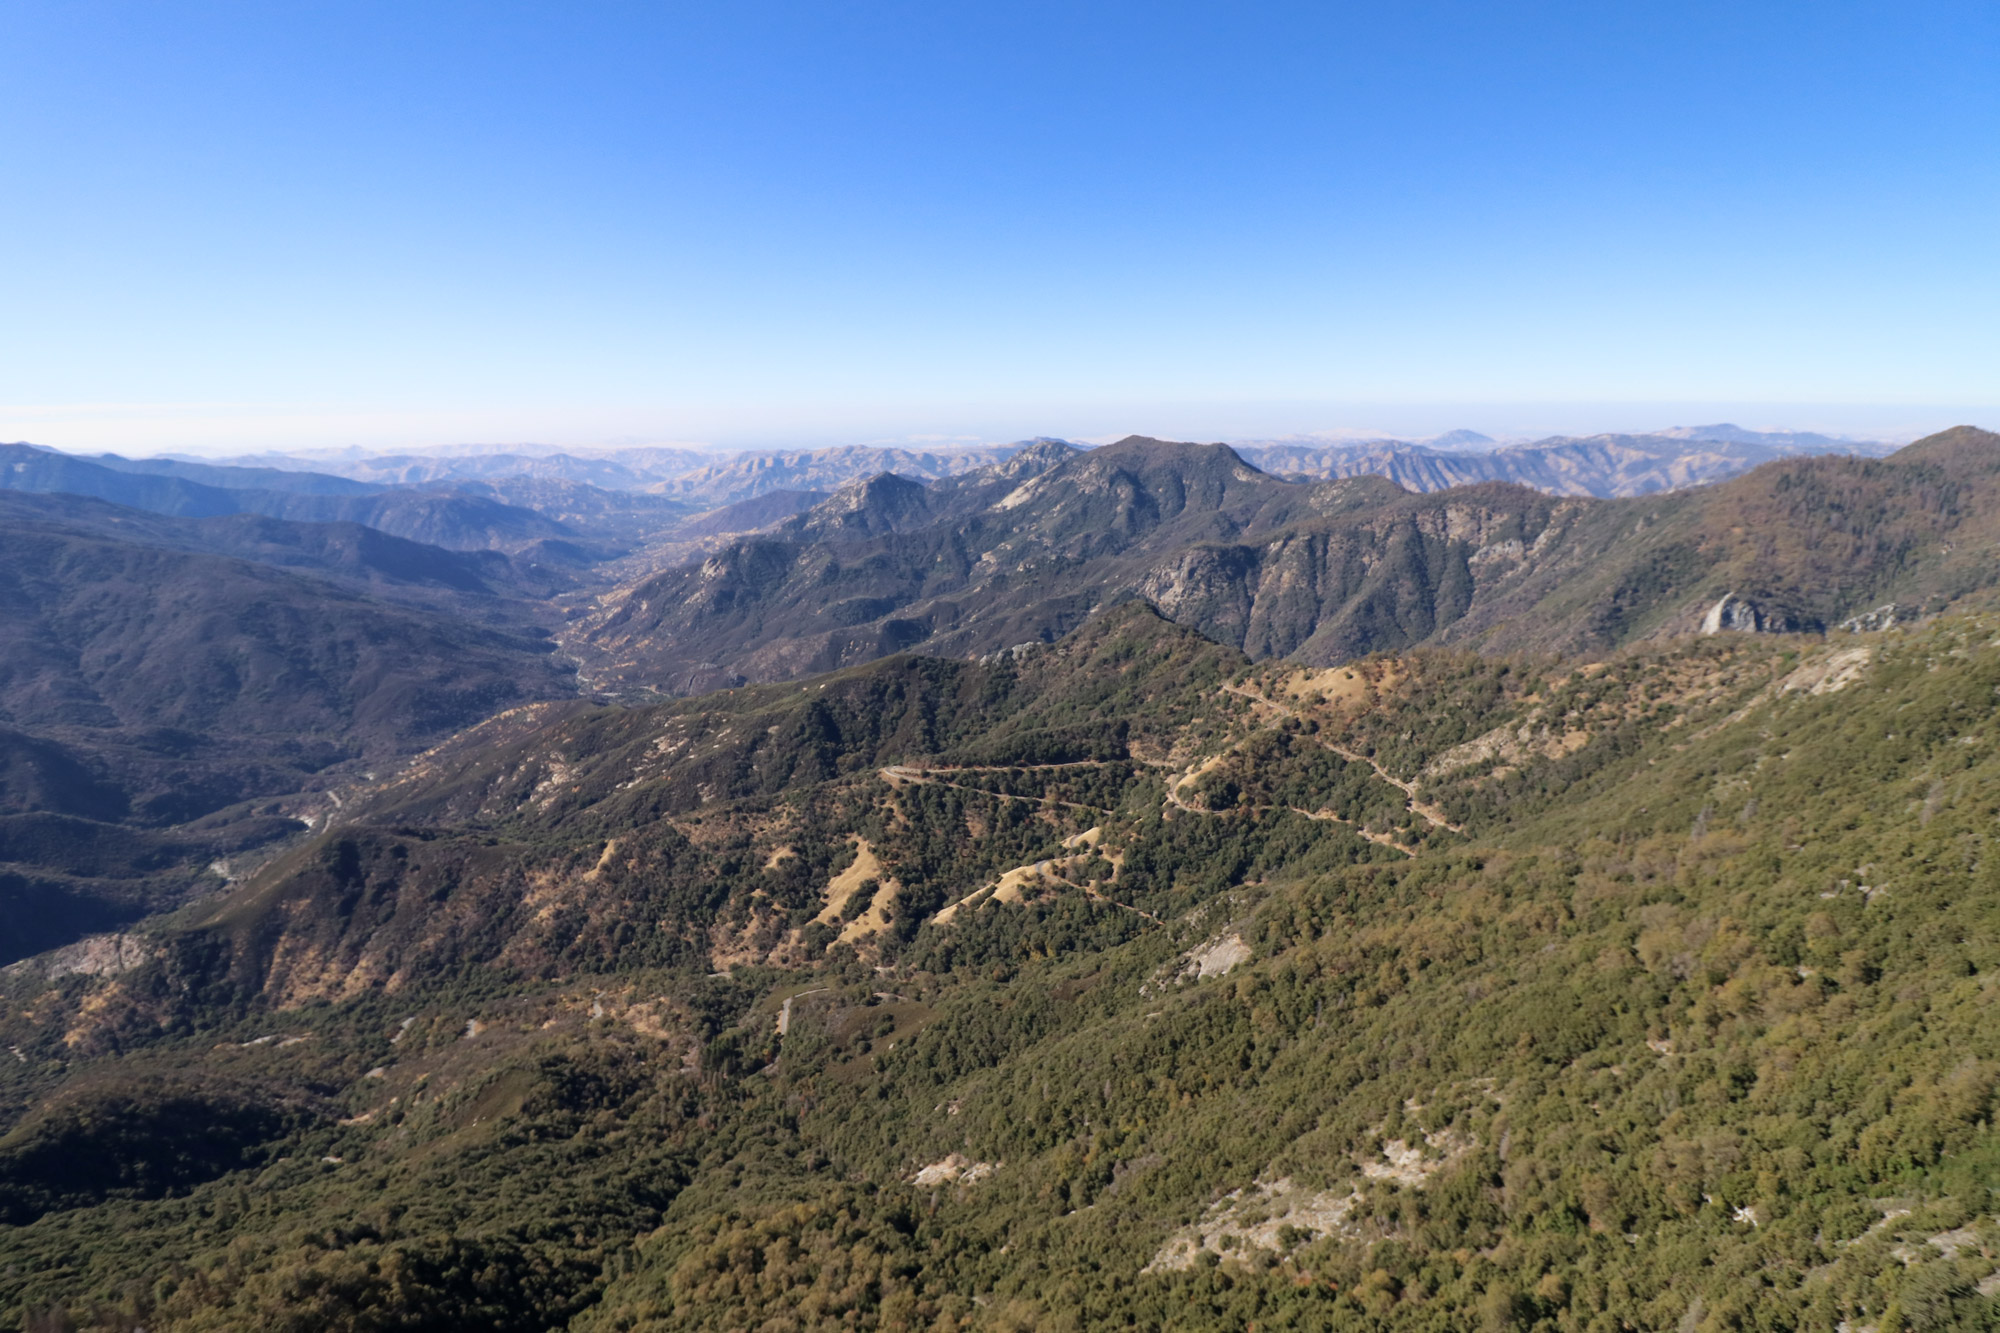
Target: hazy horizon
[(111, 432), (247, 229)]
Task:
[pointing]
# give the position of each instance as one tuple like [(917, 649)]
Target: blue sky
[(290, 225)]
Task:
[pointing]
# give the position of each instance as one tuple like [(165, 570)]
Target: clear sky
[(289, 224)]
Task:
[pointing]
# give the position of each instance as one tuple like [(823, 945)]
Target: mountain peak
[(1966, 446), (1181, 454), (879, 504), (1041, 454)]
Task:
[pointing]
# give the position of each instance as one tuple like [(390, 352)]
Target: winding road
[(1430, 813)]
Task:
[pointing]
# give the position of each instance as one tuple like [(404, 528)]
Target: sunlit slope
[(1433, 992), (1694, 1040), (1319, 572)]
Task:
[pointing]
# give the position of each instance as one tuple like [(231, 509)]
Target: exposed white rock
[(1828, 675), (1258, 1218), (954, 1169), (1269, 1213), (1885, 616), (1736, 615), (93, 956), (1218, 957)]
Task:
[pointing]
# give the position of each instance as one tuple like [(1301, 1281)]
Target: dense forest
[(1116, 983)]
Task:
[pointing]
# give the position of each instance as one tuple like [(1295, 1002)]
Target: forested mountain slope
[(1121, 982), (1321, 572), (351, 553)]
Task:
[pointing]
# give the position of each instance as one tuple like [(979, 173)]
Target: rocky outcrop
[(1887, 616), (93, 956), (1737, 615)]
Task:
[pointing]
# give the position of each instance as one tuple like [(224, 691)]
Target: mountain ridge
[(1605, 466), (1645, 462), (1322, 571), (464, 522)]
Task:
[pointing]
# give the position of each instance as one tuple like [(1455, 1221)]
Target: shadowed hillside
[(187, 680)]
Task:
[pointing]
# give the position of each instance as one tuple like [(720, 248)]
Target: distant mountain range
[(694, 477), (199, 490), (649, 508), (1600, 465), (1317, 571)]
